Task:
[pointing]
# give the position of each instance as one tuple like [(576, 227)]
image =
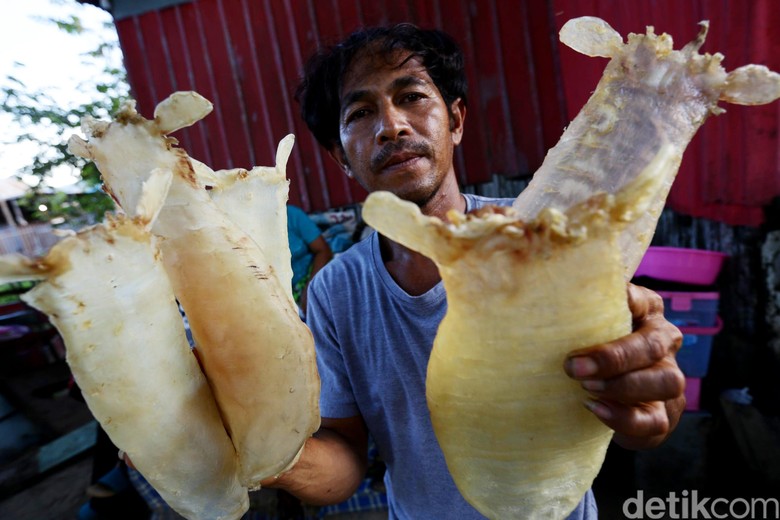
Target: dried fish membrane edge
[(519, 290), (256, 200), (261, 370), (107, 293), (649, 95), (541, 449), (247, 360)]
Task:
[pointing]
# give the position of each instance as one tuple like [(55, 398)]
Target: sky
[(46, 58)]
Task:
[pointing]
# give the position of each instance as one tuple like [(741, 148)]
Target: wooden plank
[(37, 463), (66, 447)]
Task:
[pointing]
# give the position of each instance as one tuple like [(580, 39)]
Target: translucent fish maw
[(256, 352), (649, 95), (256, 201), (106, 291), (527, 286), (520, 295)]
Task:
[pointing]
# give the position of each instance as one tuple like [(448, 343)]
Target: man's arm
[(635, 383), (332, 465)]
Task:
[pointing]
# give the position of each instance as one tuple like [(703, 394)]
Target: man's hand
[(635, 384)]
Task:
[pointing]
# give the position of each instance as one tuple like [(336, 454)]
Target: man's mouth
[(400, 161), (399, 156)]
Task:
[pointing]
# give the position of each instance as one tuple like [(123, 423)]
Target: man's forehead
[(368, 67)]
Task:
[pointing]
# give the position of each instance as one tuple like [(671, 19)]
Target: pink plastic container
[(676, 264)]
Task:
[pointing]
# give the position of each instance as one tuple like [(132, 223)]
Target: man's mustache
[(416, 147)]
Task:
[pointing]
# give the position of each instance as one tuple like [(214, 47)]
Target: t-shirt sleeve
[(305, 227), (337, 399)]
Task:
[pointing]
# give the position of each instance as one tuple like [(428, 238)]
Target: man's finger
[(644, 303), (661, 382), (643, 421), (639, 350)]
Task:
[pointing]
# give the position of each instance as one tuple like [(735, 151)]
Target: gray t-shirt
[(373, 342)]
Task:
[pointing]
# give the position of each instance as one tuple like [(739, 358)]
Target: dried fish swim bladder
[(106, 291), (528, 284), (515, 435), (256, 201), (649, 97), (257, 354)]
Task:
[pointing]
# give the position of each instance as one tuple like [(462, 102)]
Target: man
[(389, 105)]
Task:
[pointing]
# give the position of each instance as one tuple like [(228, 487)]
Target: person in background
[(308, 249)]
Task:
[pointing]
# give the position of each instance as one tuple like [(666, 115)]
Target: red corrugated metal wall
[(245, 55)]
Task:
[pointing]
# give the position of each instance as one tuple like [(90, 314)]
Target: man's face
[(395, 129)]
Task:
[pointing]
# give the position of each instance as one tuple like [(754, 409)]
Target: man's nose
[(392, 125)]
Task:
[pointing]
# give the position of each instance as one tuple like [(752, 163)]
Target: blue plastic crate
[(691, 309), (693, 358)]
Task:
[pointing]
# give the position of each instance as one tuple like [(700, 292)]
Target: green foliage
[(9, 292), (49, 126)]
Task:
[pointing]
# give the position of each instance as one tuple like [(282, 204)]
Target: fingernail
[(582, 366), (598, 408), (594, 385)]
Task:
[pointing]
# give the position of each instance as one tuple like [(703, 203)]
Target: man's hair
[(319, 90)]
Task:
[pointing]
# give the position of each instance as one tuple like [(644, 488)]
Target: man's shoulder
[(345, 280), (479, 201), (356, 257)]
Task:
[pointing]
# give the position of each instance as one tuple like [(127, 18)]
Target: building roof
[(12, 188), (121, 9)]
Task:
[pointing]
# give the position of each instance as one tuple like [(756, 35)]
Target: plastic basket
[(676, 264), (691, 309), (693, 358)]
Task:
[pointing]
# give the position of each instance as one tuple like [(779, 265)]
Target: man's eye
[(412, 97), (357, 114)]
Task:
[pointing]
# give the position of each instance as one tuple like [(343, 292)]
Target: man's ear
[(337, 154), (457, 119)]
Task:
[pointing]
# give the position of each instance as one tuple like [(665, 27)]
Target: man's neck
[(446, 198), (413, 272)]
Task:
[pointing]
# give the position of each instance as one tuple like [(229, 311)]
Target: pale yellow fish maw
[(109, 297), (256, 201), (650, 96), (256, 353), (516, 437), (515, 434)]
